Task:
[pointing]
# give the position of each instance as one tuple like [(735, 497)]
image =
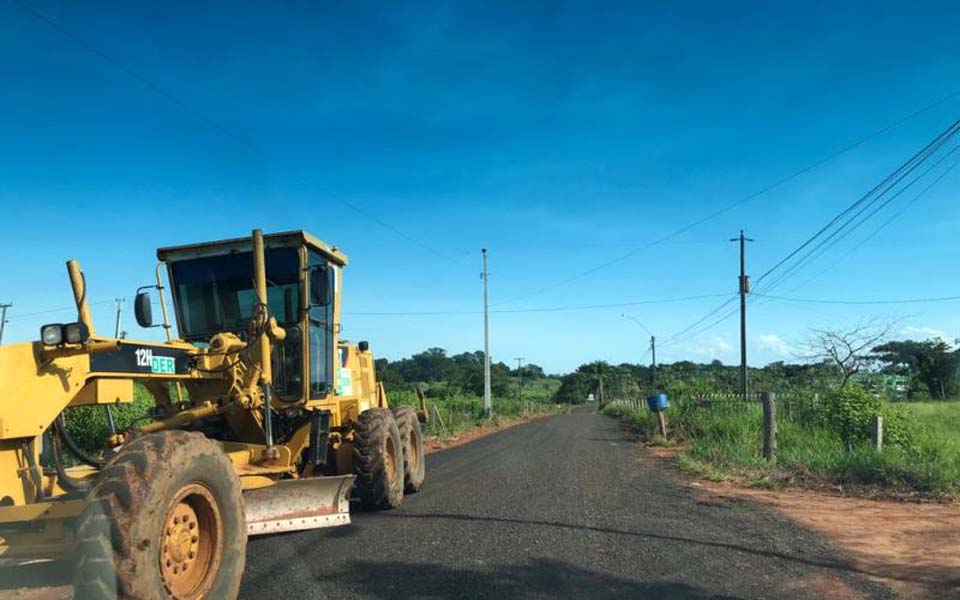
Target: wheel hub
[(190, 543)]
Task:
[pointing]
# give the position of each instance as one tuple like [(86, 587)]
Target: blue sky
[(561, 136)]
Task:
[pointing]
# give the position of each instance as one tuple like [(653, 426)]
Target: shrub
[(850, 411)]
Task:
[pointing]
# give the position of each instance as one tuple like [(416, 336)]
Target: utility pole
[(653, 346), (487, 401), (3, 317), (519, 360), (744, 290), (116, 327), (653, 353)]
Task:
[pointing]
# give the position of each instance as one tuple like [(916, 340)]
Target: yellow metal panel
[(104, 391), (11, 484), (36, 390)]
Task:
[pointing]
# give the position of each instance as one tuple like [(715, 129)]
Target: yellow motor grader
[(264, 422)]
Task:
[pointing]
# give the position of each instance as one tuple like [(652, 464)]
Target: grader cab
[(265, 421)]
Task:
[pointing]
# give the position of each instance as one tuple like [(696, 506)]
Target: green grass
[(459, 413), (942, 417), (721, 443)]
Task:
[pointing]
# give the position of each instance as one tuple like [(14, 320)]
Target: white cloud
[(773, 343), (925, 332), (713, 349)]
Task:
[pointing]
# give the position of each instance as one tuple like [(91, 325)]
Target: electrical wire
[(54, 310), (864, 203), (882, 226), (537, 310), (739, 202), (898, 174), (237, 138), (861, 302), (853, 223)]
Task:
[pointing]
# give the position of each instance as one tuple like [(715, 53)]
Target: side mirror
[(143, 310), (320, 293)]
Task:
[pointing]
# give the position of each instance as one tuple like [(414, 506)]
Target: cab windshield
[(215, 293)]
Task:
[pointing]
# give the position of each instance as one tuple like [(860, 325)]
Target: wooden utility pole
[(744, 290), (487, 400)]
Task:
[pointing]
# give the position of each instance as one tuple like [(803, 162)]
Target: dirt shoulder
[(911, 547)]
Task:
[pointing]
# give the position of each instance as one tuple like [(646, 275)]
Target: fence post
[(876, 434), (662, 422), (769, 400)]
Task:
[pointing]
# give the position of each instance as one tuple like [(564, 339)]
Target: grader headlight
[(75, 333), (57, 334), (52, 334)]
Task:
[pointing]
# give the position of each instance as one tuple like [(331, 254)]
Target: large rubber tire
[(411, 437), (174, 495), (378, 460)]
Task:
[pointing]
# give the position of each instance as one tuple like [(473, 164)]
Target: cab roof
[(285, 239)]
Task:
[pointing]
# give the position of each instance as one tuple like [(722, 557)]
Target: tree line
[(442, 375), (918, 369)]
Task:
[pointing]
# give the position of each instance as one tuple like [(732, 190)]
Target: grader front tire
[(378, 460), (165, 520), (411, 438)]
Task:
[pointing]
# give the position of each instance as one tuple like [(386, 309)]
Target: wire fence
[(800, 407)]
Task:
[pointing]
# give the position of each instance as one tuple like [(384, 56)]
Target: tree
[(849, 351), (933, 362)]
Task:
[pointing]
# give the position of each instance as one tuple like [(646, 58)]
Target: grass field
[(937, 417), (722, 444)]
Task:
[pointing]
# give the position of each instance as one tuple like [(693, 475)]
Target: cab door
[(320, 331)]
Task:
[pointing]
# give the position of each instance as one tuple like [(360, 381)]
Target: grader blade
[(298, 504)]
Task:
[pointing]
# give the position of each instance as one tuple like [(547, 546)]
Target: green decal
[(163, 365)]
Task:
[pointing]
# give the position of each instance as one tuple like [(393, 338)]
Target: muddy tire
[(411, 439), (164, 520), (378, 460)]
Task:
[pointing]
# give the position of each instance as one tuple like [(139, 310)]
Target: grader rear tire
[(378, 460), (164, 520), (411, 438)]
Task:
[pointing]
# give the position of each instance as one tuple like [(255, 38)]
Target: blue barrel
[(658, 402)]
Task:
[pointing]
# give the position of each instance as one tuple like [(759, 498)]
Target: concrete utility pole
[(744, 290), (116, 327), (487, 401), (653, 346), (519, 360), (3, 317), (653, 353)]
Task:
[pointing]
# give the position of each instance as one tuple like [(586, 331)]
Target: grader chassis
[(265, 422)]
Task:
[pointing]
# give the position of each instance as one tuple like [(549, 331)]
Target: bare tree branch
[(849, 350)]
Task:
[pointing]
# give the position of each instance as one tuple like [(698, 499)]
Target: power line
[(882, 226), (861, 302), (850, 226), (884, 187), (213, 124), (890, 181), (536, 310), (741, 201), (54, 310)]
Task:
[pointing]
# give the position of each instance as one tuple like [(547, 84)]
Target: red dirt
[(911, 547)]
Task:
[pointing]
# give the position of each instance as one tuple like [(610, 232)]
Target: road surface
[(562, 506)]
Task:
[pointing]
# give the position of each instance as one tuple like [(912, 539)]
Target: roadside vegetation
[(825, 414), (453, 387)]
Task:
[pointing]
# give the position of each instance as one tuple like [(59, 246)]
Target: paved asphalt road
[(562, 506)]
